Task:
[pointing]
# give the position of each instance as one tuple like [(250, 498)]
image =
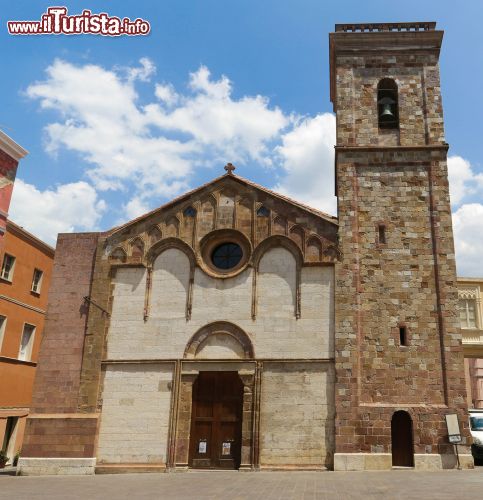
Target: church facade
[(236, 328)]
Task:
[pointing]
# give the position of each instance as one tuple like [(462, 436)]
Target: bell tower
[(399, 360)]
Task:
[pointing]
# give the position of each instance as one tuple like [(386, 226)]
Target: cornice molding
[(9, 146)]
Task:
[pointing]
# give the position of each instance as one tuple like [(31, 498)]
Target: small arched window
[(263, 212), (387, 104), (189, 212)]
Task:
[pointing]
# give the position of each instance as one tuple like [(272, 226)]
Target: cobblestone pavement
[(234, 485)]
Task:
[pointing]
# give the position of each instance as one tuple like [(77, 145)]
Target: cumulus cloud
[(307, 159), (63, 209), (463, 181), (152, 147), (468, 234)]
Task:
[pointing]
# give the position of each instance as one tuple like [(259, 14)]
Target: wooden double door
[(216, 421)]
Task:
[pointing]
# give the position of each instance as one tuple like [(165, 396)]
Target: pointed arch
[(118, 254), (331, 253), (280, 225), (263, 211), (207, 215), (313, 251), (137, 247), (172, 227), (297, 234), (154, 235)]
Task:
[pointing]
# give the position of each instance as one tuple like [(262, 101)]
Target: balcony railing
[(371, 27)]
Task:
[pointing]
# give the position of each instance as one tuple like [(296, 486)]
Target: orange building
[(10, 154), (26, 268)]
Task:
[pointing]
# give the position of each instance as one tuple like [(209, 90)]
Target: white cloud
[(468, 235), (152, 148), (63, 209), (307, 155), (463, 181), (134, 208), (143, 72), (167, 94)]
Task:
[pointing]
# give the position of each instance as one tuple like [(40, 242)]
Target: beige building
[(470, 293)]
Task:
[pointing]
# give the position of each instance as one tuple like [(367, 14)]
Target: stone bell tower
[(399, 360)]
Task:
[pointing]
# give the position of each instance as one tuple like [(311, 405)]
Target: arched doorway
[(216, 421), (402, 439)]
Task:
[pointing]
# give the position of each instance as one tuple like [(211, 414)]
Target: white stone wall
[(135, 414), (297, 414), (171, 272), (277, 276), (275, 333)]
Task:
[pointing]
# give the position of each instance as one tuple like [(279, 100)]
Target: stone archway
[(219, 340), (402, 439), (220, 347)]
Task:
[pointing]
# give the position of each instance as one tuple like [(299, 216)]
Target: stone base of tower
[(59, 444), (383, 461)]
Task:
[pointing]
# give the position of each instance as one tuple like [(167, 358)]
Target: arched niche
[(277, 241), (154, 235), (279, 225), (313, 251), (276, 279), (137, 248), (166, 243), (226, 209), (172, 227), (171, 265), (206, 216), (220, 340), (118, 255), (297, 234)]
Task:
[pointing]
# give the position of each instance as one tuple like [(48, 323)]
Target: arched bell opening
[(387, 104)]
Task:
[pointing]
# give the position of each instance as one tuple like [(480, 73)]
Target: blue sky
[(117, 126)]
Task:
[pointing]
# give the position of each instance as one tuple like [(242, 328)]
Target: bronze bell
[(387, 108), (386, 111)]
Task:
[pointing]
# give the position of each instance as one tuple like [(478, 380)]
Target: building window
[(382, 234), (26, 344), (37, 280), (467, 309), (227, 255), (189, 212), (387, 104), (263, 212), (3, 324), (7, 267), (403, 337)]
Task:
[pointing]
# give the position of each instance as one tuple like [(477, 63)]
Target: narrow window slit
[(402, 335), (382, 234)]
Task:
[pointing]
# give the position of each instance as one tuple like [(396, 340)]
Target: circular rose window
[(224, 253), (227, 255)]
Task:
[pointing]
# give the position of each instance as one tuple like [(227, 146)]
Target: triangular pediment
[(230, 202)]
